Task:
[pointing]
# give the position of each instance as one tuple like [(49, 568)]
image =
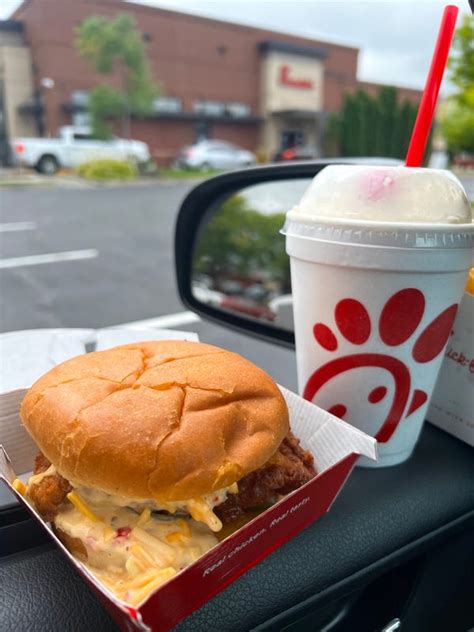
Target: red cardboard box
[(335, 446)]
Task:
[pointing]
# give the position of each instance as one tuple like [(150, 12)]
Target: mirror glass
[(239, 261)]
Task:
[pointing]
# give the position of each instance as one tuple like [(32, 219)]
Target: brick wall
[(191, 57)]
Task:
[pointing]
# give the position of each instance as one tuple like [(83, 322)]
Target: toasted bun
[(169, 420)]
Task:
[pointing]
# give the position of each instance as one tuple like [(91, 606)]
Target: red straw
[(426, 110)]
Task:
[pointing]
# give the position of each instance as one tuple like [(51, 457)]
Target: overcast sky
[(396, 37)]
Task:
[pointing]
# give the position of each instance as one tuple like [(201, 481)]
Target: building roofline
[(16, 15), (124, 4), (231, 23), (11, 26), (290, 47)]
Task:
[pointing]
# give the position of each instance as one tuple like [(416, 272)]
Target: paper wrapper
[(334, 444)]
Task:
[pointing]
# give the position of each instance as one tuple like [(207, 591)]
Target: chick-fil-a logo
[(460, 358), (397, 324), (286, 79)]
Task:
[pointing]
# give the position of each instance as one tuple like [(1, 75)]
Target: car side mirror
[(230, 258), (231, 263)]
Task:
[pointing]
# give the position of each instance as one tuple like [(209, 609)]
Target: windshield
[(87, 230)]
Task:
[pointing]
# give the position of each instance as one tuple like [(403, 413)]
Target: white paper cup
[(373, 309)]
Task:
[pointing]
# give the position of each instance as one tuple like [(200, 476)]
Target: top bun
[(165, 420)]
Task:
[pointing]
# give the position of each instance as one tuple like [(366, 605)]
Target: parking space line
[(51, 257), (168, 320), (11, 227)]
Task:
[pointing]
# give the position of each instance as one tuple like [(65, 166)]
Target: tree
[(461, 60), (387, 112), (331, 135), (373, 126), (348, 127), (457, 120), (457, 125), (239, 241), (362, 105), (115, 47)]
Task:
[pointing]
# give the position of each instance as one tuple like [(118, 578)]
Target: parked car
[(297, 153), (73, 147), (243, 305), (215, 154), (206, 295), (282, 307), (464, 161)]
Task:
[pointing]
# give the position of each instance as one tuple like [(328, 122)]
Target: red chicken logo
[(397, 323)]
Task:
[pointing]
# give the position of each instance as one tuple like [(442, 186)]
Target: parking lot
[(101, 256)]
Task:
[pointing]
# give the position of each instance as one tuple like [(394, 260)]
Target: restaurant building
[(257, 88)]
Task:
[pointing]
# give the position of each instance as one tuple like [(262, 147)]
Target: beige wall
[(277, 97), (16, 73), (270, 133)]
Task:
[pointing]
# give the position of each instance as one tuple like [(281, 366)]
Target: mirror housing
[(198, 207)]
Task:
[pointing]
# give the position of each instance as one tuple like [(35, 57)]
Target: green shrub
[(107, 169)]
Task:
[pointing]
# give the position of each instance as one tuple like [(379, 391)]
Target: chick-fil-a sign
[(285, 78)]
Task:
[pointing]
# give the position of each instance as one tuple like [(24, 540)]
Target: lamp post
[(46, 83)]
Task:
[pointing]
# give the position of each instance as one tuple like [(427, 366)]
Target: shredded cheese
[(19, 486), (161, 551), (184, 527), (175, 536), (140, 553), (201, 511), (136, 596), (141, 557), (203, 506), (81, 506), (145, 578), (87, 512), (144, 517), (134, 566)]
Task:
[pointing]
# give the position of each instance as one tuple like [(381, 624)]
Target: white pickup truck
[(72, 147)]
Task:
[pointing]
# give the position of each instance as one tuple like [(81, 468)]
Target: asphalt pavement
[(103, 256)]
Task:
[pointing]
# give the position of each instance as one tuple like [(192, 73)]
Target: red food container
[(335, 446)]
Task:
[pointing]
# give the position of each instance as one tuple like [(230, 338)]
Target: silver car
[(215, 154)]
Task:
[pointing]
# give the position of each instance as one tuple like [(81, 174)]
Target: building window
[(85, 137), (80, 98), (209, 108), (80, 103), (221, 108), (169, 105), (238, 110)]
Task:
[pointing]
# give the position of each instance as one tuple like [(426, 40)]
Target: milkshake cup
[(379, 258)]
